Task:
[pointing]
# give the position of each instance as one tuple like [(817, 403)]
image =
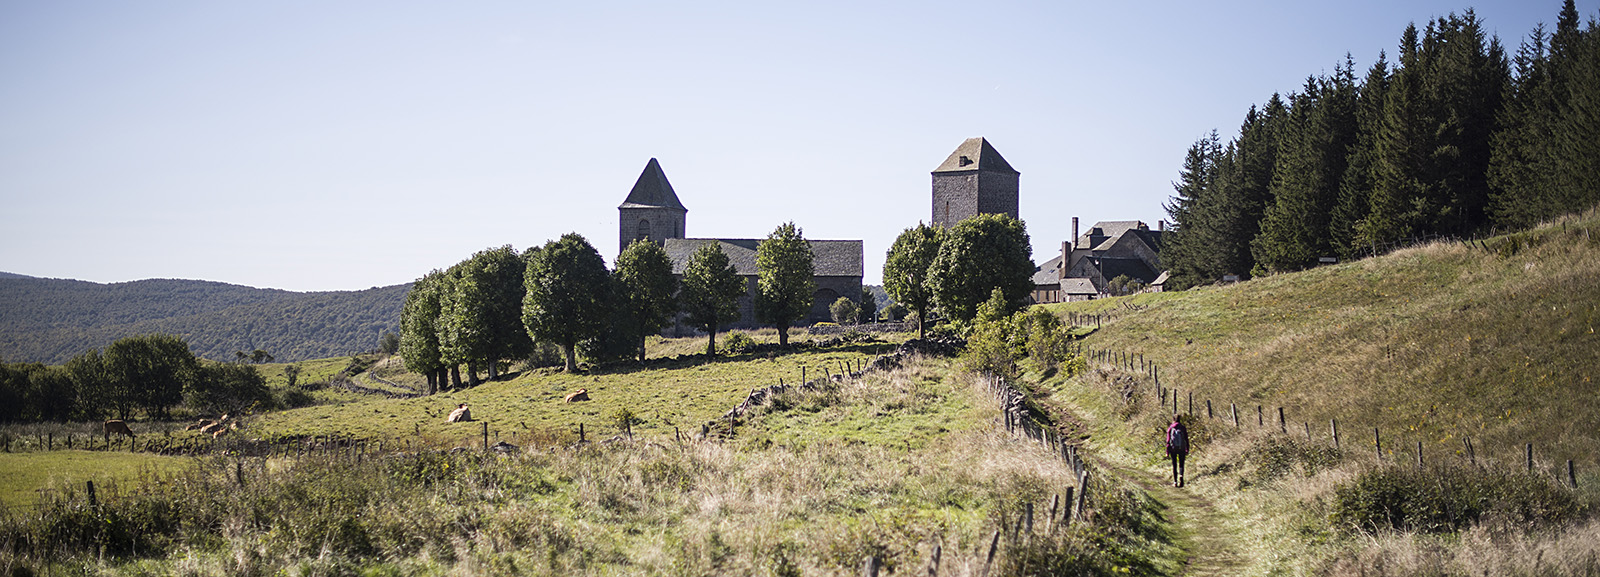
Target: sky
[(318, 146)]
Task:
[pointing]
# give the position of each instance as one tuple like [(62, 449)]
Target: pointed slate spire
[(976, 154), (652, 190)]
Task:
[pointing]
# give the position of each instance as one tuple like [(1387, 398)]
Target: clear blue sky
[(345, 145)]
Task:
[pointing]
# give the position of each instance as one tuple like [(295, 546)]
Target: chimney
[(1066, 254), (1161, 226), (1074, 240)]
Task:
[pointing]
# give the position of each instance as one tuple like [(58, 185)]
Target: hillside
[(51, 320), (1494, 340), (1470, 353)]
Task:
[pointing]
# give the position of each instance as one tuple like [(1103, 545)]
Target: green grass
[(24, 475), (1431, 344), (671, 395)]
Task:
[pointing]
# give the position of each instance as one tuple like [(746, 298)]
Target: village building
[(1088, 263), (974, 180), (652, 212)]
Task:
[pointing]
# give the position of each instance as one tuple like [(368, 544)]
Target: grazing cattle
[(118, 427), (580, 395), (461, 415)]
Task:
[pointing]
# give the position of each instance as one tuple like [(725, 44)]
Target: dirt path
[(1199, 529)]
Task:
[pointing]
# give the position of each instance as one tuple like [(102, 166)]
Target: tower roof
[(976, 154), (652, 190)]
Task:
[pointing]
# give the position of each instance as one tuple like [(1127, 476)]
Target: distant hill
[(52, 320)]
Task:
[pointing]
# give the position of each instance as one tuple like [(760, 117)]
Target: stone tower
[(974, 180), (652, 210)]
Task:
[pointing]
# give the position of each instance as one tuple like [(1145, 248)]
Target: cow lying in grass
[(461, 415), (201, 424), (580, 395)]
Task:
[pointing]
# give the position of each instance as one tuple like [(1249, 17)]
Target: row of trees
[(931, 269), (1451, 140), (149, 373), (498, 304)]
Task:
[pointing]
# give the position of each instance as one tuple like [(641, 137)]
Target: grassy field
[(904, 461), (24, 475), (667, 396)]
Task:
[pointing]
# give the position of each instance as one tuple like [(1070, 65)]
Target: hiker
[(1177, 448)]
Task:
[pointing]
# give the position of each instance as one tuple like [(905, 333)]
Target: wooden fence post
[(869, 568), (1530, 457), (933, 564), (1191, 402), (1572, 475), (1419, 454), (988, 561), (1055, 507), (1333, 425), (1377, 443), (1282, 426), (1208, 409), (1260, 420), (485, 435), (1234, 409), (1308, 430), (1069, 508)]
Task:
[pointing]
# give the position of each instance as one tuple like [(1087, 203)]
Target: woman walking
[(1177, 448)]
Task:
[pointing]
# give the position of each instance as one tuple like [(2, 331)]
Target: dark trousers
[(1177, 466)]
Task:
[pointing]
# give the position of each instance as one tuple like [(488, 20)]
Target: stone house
[(974, 180), (653, 212), (1108, 250)]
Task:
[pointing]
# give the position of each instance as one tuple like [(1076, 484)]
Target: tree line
[(1453, 139), (498, 305), (148, 373)]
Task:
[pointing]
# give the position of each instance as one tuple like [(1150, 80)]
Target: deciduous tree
[(784, 273), (978, 255), (710, 292), (567, 286), (906, 269)]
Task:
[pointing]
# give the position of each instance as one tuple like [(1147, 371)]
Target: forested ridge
[(1453, 138), (53, 320)]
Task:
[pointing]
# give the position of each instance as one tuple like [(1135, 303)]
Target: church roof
[(652, 190), (973, 155), (828, 257)]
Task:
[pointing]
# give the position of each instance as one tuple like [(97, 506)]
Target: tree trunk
[(572, 357), (922, 332), (433, 382), (783, 334), (711, 343), (472, 373), (494, 370), (642, 338), (455, 376)]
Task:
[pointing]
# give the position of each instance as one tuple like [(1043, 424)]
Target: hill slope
[(51, 320), (1494, 341)]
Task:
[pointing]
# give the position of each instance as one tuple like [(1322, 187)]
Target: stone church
[(653, 212)]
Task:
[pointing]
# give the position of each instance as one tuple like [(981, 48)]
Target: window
[(644, 230)]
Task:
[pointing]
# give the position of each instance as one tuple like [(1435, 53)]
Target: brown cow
[(118, 427), (461, 415), (580, 395)]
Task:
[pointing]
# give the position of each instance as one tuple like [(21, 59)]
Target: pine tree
[(1187, 248), (1356, 184), (1576, 162), (1312, 155), (1243, 188)]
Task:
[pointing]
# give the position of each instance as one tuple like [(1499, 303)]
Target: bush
[(1446, 499), (844, 311), (737, 343), (1276, 456)]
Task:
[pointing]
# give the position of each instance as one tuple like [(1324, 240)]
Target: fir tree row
[(1451, 140)]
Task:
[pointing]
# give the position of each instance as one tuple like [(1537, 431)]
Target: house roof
[(973, 155), (652, 190), (1078, 286), (828, 257), (1048, 272), (1110, 229)]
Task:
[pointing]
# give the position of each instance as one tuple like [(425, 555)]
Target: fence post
[(1530, 457), (1069, 509), (870, 567), (1191, 402), (1308, 430), (1234, 409), (933, 564), (485, 435), (1572, 475), (1333, 424), (988, 561), (1282, 426), (1055, 506), (1419, 454), (1377, 443), (1208, 409), (89, 486), (1260, 420)]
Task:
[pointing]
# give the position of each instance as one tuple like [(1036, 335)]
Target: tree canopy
[(784, 286), (710, 291), (906, 269), (566, 296), (645, 283), (978, 255)]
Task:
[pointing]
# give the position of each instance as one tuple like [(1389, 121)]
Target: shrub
[(1276, 456), (844, 311), (1446, 499), (737, 343)]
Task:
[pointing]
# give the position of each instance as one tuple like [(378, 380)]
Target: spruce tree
[(1355, 185), (1187, 248)]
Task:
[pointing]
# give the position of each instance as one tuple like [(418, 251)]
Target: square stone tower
[(974, 180), (652, 210)]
